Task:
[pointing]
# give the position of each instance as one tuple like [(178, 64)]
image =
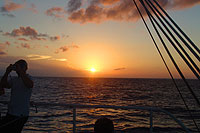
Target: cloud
[(98, 11), (73, 5), (57, 51), (8, 15), (2, 52), (31, 33), (23, 31), (66, 48), (41, 67), (108, 2), (6, 60), (23, 39), (38, 57), (121, 68), (11, 6), (61, 59), (33, 8), (92, 14), (3, 47), (65, 36), (55, 38), (6, 43), (54, 59), (43, 57), (25, 45), (75, 46), (180, 4), (57, 12)]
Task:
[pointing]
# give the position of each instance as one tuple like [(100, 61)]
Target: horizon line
[(105, 77)]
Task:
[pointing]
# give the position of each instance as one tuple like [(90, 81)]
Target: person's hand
[(9, 68)]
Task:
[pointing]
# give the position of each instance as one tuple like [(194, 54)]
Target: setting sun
[(92, 70)]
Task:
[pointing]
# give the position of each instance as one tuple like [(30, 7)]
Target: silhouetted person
[(21, 89), (103, 125)]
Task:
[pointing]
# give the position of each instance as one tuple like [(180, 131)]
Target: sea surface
[(159, 93)]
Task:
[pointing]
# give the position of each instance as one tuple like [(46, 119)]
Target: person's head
[(23, 64), (104, 125)]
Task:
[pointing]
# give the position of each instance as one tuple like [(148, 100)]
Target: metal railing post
[(151, 121), (150, 109), (74, 119)]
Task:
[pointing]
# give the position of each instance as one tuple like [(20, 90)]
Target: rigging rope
[(180, 37), (196, 74), (171, 57), (173, 44), (189, 40), (163, 58)]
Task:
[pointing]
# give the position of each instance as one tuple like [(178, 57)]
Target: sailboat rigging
[(155, 24)]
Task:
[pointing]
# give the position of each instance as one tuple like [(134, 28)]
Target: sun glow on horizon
[(92, 70)]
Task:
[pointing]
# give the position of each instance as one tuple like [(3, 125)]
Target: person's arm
[(4, 80), (27, 81)]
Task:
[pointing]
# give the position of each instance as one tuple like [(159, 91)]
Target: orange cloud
[(108, 2), (6, 43), (119, 10), (62, 49), (24, 31), (25, 45), (11, 6), (3, 47), (38, 57), (31, 33), (22, 39), (44, 57), (75, 46), (92, 14), (57, 12), (66, 48)]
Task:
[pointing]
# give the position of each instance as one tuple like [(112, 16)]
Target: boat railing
[(74, 107)]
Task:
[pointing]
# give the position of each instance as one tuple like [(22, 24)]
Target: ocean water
[(159, 93)]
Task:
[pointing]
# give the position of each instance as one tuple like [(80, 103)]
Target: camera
[(13, 67)]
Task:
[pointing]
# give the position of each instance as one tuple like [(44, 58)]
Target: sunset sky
[(87, 38)]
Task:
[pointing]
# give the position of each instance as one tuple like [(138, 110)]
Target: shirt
[(20, 97)]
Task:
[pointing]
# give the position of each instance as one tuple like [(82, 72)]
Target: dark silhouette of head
[(23, 64), (104, 125)]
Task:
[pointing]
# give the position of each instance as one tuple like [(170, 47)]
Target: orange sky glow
[(59, 38)]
